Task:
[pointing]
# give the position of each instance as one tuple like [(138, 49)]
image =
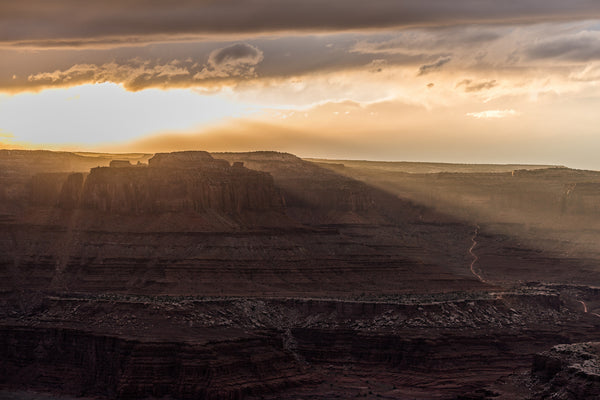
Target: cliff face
[(188, 223), (90, 364), (316, 195), (178, 182), (70, 192), (161, 189), (128, 347), (19, 167)]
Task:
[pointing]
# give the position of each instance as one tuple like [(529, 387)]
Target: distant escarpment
[(314, 194), (307, 185)]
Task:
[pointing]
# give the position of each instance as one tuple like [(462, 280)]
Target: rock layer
[(88, 364)]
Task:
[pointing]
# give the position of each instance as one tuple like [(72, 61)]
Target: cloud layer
[(69, 22), (237, 61)]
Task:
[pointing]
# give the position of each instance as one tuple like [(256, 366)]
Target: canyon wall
[(91, 364), (189, 223)]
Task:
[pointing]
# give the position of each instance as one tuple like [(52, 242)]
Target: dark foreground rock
[(568, 372)]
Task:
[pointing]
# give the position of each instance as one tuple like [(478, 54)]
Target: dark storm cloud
[(427, 68), (69, 21), (471, 86), (201, 64)]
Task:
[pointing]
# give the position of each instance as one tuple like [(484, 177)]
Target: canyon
[(262, 275)]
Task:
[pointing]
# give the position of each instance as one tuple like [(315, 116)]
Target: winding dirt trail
[(475, 258), (585, 308)]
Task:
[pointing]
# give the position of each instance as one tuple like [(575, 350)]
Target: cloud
[(134, 75), (589, 73), (471, 86), (235, 61), (236, 54), (5, 134), (377, 65), (71, 21), (195, 64), (476, 52), (493, 114), (427, 68), (429, 41), (581, 46)]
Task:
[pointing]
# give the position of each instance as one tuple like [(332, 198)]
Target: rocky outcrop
[(187, 159), (153, 190), (176, 182), (568, 372), (120, 164), (413, 346)]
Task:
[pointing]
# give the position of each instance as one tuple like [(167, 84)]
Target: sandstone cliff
[(19, 168), (179, 182), (316, 195)]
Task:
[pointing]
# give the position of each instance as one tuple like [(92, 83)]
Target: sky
[(423, 80)]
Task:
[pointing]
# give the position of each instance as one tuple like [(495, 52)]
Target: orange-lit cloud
[(471, 86)]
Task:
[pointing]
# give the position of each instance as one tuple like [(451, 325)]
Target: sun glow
[(95, 114)]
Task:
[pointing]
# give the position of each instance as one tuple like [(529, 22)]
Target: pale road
[(585, 309), (475, 258)]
